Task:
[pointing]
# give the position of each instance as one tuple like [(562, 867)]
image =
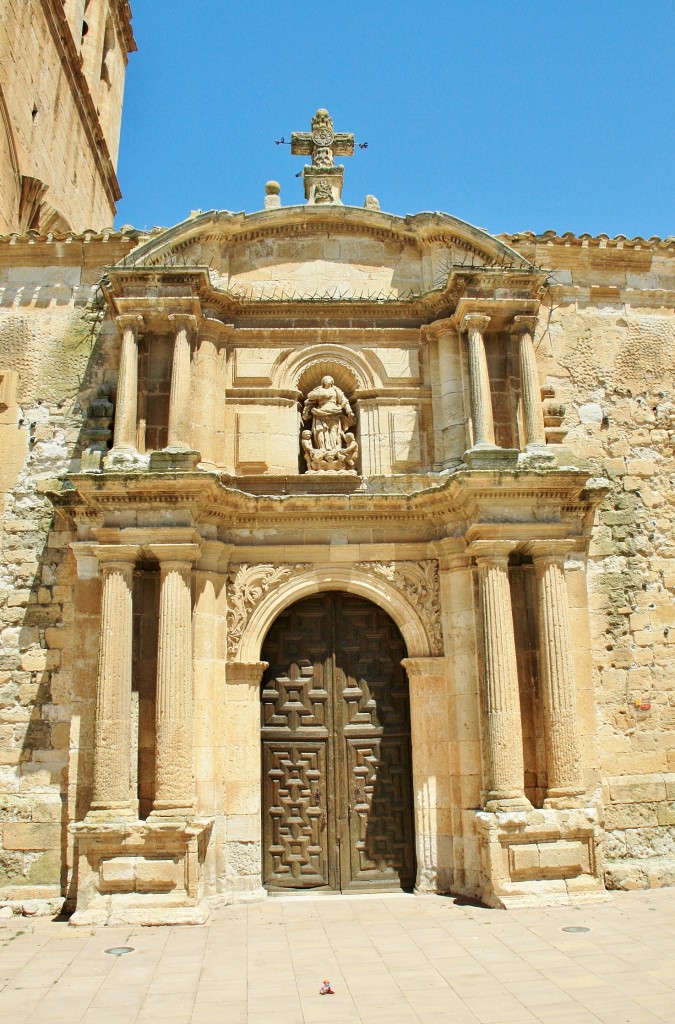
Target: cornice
[(564, 500)]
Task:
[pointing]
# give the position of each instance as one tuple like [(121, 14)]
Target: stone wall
[(52, 357), (607, 348), (60, 112)]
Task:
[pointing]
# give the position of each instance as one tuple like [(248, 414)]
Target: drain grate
[(576, 928), (119, 950)]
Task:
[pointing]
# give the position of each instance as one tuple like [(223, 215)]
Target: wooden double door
[(336, 755)]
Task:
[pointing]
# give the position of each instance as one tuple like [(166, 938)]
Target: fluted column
[(112, 793), (180, 407), (124, 442), (533, 415), (479, 382), (502, 739), (561, 717), (174, 769)]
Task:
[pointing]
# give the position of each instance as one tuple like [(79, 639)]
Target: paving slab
[(416, 959)]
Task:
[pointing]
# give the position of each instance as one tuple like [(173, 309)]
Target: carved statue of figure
[(327, 446), (330, 413)]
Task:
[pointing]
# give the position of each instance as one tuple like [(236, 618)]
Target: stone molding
[(419, 582)]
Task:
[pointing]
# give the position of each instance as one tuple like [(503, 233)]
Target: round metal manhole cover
[(575, 928), (119, 950)]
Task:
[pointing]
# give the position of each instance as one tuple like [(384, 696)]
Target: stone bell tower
[(63, 68)]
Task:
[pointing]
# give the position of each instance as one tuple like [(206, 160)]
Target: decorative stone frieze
[(419, 582), (246, 586)]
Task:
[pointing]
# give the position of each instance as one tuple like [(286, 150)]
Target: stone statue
[(327, 446)]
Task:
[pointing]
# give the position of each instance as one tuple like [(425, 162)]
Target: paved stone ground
[(397, 959)]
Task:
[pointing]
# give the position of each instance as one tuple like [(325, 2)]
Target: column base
[(490, 457), (112, 813), (536, 455), (141, 872), (124, 458), (567, 797), (496, 801), (172, 459), (540, 857)]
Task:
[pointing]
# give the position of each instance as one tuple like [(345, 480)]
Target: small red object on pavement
[(325, 989)]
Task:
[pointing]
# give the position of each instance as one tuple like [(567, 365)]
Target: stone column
[(502, 740), (174, 769), (561, 717), (124, 442), (112, 793), (180, 407), (533, 415), (481, 400)]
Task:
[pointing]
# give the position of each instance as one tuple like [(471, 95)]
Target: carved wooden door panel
[(337, 793)]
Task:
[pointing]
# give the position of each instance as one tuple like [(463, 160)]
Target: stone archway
[(408, 592), (337, 804)]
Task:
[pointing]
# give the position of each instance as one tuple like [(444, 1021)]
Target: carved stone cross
[(323, 179)]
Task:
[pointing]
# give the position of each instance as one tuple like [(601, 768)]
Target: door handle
[(317, 796)]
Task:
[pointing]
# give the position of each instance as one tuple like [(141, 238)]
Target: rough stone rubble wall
[(45, 334)]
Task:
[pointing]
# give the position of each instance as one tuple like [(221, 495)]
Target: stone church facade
[(337, 554)]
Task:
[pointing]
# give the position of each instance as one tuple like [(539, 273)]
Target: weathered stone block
[(637, 789), (22, 835), (154, 875)]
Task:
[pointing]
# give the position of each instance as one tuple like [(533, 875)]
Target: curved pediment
[(338, 253)]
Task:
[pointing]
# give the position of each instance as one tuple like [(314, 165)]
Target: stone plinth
[(540, 857), (141, 872)]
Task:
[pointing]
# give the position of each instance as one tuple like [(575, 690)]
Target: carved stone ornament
[(419, 582), (246, 587), (328, 446), (323, 193)]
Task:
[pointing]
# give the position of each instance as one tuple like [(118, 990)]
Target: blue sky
[(512, 114)]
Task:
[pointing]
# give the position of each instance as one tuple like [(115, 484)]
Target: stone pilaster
[(126, 408), (180, 407), (174, 769), (561, 717), (112, 793), (502, 738), (432, 783), (533, 416), (479, 381)]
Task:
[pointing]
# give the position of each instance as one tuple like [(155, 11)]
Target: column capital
[(525, 324), (549, 550), (180, 554), (475, 321), (247, 672), (444, 326), (130, 321), (187, 320), (110, 555), (487, 552), (424, 667)]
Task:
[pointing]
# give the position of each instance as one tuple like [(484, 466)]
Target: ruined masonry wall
[(45, 701)]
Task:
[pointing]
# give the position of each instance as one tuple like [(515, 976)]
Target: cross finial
[(323, 179)]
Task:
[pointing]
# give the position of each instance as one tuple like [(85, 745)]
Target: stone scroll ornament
[(419, 582), (246, 587), (329, 446)]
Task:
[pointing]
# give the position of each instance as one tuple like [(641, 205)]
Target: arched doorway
[(336, 757)]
